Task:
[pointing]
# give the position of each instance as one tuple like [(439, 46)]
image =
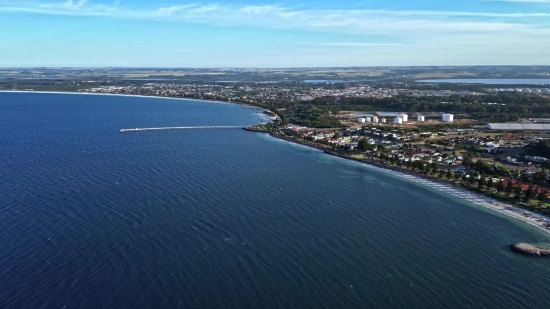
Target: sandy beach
[(539, 221), (529, 217)]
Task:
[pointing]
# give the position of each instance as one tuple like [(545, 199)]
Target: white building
[(421, 118), (447, 117)]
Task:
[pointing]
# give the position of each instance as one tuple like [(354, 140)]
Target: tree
[(518, 190), (509, 186), (441, 173), (530, 193), (542, 195), (363, 145), (500, 186), (481, 181), (449, 174)]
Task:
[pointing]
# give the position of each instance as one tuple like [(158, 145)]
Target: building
[(447, 117)]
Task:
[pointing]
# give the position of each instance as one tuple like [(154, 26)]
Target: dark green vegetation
[(503, 106), (541, 148)]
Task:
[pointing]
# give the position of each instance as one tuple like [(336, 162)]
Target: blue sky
[(263, 33)]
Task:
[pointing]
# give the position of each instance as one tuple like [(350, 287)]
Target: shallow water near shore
[(92, 218)]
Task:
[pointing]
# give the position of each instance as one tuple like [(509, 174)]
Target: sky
[(278, 33)]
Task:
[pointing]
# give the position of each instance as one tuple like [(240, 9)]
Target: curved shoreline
[(503, 208), (132, 95), (511, 211)]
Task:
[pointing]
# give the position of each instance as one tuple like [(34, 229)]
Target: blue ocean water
[(92, 218)]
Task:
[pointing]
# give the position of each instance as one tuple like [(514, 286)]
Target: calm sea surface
[(92, 218), (541, 81)]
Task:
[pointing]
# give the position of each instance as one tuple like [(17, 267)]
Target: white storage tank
[(421, 118), (375, 119), (398, 120), (361, 120), (447, 117), (405, 117), (383, 120), (368, 119)]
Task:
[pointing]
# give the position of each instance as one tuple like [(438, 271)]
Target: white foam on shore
[(506, 209)]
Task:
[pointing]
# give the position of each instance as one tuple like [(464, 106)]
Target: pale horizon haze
[(263, 33)]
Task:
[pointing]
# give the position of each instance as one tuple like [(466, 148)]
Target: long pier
[(179, 128)]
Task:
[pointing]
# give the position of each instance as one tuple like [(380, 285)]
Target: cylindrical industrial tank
[(361, 120), (375, 119), (368, 119), (405, 117), (421, 118), (398, 120), (383, 120), (448, 117)]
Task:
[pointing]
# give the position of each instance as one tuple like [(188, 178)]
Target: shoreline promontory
[(532, 250)]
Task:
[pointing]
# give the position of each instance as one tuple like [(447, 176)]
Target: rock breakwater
[(529, 249)]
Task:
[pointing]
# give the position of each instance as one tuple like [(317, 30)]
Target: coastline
[(509, 210), (131, 95)]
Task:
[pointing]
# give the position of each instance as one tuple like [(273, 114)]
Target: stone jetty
[(529, 249)]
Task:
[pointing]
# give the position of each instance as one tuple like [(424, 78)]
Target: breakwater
[(179, 128), (532, 250)]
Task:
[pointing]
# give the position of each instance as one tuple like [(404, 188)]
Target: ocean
[(224, 218)]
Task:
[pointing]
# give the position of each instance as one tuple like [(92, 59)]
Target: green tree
[(530, 193), (542, 195), (449, 174), (518, 190), (481, 181), (500, 186), (509, 186), (363, 145)]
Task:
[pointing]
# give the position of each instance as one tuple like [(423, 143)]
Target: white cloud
[(489, 36)]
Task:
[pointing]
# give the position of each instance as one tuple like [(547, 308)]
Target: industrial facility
[(518, 126)]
